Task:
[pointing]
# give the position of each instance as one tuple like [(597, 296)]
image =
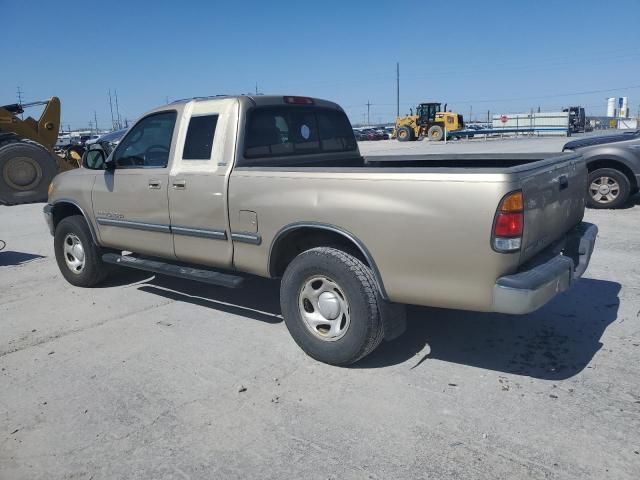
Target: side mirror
[(94, 160)]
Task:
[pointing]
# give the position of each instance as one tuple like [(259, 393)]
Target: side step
[(199, 275)]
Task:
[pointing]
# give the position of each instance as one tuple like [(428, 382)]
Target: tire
[(26, 169), (435, 133), (607, 188), (358, 322), (404, 134), (93, 270)]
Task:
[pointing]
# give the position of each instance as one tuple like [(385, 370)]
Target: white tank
[(624, 110), (611, 107)]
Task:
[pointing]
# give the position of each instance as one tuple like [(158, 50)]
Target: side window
[(148, 143), (199, 141)]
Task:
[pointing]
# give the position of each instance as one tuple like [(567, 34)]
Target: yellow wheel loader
[(27, 161), (430, 121)]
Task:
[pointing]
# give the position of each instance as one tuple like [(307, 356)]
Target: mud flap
[(394, 319)]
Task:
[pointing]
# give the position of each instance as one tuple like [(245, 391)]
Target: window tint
[(199, 141), (148, 143), (282, 131)]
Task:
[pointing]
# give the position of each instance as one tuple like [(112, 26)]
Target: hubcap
[(324, 308), (74, 253), (604, 189), (22, 173)]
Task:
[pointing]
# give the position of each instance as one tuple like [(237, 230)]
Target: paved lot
[(141, 378)]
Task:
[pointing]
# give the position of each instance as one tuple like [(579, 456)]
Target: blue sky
[(504, 56)]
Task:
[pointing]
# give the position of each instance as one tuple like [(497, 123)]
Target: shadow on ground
[(633, 201), (10, 258), (259, 299), (556, 342)]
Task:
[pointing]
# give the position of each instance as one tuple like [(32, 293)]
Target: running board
[(189, 273)]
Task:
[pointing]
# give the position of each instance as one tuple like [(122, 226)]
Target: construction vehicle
[(430, 121), (27, 161)]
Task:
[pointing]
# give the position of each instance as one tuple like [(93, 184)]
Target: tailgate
[(554, 201)]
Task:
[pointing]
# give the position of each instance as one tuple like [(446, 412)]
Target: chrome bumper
[(530, 289), (48, 217)]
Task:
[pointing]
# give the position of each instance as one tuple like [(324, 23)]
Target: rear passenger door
[(197, 202)]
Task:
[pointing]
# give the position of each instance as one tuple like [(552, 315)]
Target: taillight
[(509, 223), (298, 100)]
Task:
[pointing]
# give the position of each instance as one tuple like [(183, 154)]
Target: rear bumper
[(48, 217), (530, 289)]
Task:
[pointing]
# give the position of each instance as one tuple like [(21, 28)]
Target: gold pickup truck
[(209, 189)]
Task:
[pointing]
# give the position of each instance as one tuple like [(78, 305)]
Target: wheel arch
[(298, 237), (596, 163), (64, 208)]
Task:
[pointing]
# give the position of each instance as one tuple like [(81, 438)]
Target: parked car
[(374, 134), (613, 162), (211, 189), (360, 136)]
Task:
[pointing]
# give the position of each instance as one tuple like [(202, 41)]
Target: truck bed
[(437, 163), (497, 162)]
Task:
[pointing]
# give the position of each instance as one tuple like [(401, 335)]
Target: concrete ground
[(153, 377)]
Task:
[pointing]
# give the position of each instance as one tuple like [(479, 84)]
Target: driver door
[(130, 203)]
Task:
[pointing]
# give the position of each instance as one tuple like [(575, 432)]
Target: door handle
[(179, 184), (154, 184), (564, 182)]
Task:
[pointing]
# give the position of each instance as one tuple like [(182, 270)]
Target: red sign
[(504, 119)]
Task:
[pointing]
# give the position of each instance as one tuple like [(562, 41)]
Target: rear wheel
[(331, 306), (404, 134), (608, 188), (78, 257), (26, 169), (435, 133)]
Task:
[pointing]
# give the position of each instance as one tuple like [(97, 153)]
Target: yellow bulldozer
[(430, 121), (27, 161)]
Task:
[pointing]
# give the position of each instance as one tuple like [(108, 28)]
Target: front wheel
[(331, 306), (404, 134), (608, 188), (435, 133), (79, 258)]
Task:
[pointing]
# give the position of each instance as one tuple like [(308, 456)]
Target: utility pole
[(113, 124), (90, 126), (397, 89), (256, 88), (20, 92), (368, 112), (470, 111), (115, 92), (95, 117)]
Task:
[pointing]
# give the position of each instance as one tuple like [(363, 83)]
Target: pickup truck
[(613, 162), (212, 189)]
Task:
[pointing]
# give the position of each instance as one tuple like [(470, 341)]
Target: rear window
[(283, 131), (199, 141)]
